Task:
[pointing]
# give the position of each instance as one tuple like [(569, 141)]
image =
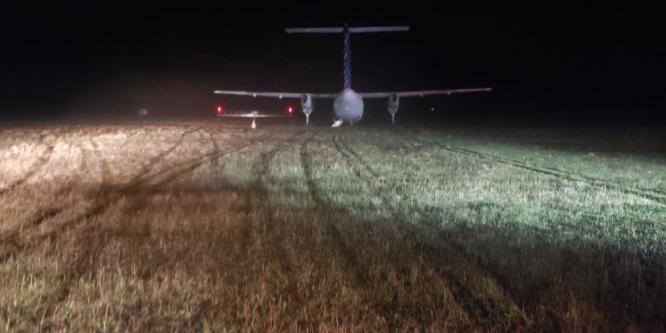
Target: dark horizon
[(575, 70)]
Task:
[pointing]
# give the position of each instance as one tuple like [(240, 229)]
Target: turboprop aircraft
[(348, 104)]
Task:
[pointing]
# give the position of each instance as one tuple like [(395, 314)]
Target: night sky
[(550, 69)]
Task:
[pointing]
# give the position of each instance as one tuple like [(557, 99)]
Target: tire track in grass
[(107, 194), (650, 194), (306, 164), (322, 204), (357, 163), (587, 216), (73, 270), (144, 174), (349, 156), (42, 161), (51, 212), (136, 186), (429, 212), (167, 175), (147, 167), (261, 166), (107, 197), (256, 199), (179, 169), (170, 174), (641, 256), (35, 168), (411, 149), (77, 268), (104, 164), (214, 163), (83, 163), (484, 311), (100, 195)]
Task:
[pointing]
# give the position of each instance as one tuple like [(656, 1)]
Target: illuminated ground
[(205, 226)]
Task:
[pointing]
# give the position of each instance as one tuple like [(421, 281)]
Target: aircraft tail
[(346, 31)]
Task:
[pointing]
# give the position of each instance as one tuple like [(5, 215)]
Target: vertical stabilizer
[(346, 58)]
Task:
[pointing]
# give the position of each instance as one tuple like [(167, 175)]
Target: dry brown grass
[(206, 227)]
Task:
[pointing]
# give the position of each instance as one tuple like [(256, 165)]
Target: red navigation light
[(290, 110), (219, 109)]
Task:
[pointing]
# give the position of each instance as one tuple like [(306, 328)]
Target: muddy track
[(107, 198), (650, 194), (435, 249)]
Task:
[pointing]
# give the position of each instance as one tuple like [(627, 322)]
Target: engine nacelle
[(307, 107), (393, 104)]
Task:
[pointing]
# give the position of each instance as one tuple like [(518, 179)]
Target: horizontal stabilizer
[(274, 94), (339, 30), (378, 29)]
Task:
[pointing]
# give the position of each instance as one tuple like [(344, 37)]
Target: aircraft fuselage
[(348, 106)]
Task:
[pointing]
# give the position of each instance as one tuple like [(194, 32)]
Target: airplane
[(348, 104)]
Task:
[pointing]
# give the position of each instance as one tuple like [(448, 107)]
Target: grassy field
[(211, 227)]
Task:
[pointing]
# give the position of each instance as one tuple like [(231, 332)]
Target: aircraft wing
[(421, 93), (252, 115), (273, 94)]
